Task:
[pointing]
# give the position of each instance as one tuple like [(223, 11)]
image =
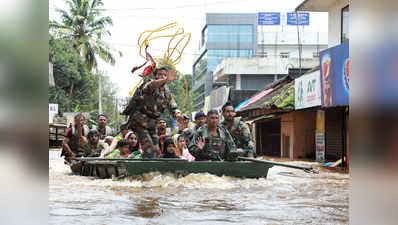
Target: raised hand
[(172, 75), (200, 143)]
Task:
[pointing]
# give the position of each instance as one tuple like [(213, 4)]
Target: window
[(204, 36), (345, 24), (315, 55), (284, 55), (230, 33)]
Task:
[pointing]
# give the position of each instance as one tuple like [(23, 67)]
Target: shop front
[(335, 76)]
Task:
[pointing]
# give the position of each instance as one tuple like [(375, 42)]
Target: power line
[(154, 49), (177, 7)]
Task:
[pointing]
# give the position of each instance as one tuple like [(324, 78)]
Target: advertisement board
[(307, 91), (320, 136), (219, 97), (335, 75)]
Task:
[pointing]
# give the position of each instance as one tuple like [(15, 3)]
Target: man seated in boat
[(75, 142), (238, 129), (94, 146), (123, 131), (102, 127), (161, 127), (212, 141), (147, 105)]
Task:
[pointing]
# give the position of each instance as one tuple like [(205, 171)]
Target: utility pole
[(99, 92)]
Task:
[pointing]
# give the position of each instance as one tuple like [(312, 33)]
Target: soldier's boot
[(232, 156), (146, 143)]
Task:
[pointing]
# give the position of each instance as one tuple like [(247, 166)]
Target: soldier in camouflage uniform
[(147, 105), (212, 141), (238, 129)]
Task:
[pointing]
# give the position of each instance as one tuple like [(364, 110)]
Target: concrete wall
[(304, 132), (269, 65), (300, 126), (287, 129), (335, 22)]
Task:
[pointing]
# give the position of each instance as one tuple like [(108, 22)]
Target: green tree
[(178, 89), (84, 24), (74, 84), (76, 89)]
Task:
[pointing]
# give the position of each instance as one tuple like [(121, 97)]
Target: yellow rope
[(169, 52)]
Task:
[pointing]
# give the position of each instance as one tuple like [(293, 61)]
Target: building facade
[(332, 139), (237, 52), (222, 36)]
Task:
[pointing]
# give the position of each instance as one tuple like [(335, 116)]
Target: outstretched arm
[(171, 76)]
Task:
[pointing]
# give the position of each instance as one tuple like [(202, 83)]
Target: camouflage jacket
[(216, 146), (95, 152), (189, 133), (240, 132), (151, 101)]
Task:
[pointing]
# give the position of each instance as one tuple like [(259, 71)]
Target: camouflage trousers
[(246, 152), (145, 128)]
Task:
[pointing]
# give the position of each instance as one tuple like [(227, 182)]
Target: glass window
[(345, 24), (315, 55), (204, 36), (230, 33), (200, 68)]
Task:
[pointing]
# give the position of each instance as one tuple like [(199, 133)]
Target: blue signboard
[(269, 18), (335, 75), (303, 18)]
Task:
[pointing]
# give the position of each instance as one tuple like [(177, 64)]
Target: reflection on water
[(287, 196)]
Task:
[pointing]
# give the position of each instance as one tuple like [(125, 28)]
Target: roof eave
[(314, 6)]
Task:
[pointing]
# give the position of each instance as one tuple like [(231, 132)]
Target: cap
[(185, 116), (199, 114)]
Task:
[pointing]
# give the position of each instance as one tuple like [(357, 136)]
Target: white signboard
[(307, 90), (52, 111), (320, 147)]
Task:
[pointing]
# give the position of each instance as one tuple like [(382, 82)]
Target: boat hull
[(108, 168)]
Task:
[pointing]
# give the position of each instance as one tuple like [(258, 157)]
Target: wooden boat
[(108, 168)]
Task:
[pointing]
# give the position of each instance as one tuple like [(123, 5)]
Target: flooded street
[(287, 196)]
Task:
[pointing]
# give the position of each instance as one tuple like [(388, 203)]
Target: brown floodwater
[(287, 196)]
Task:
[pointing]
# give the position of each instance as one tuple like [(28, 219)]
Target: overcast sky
[(131, 18)]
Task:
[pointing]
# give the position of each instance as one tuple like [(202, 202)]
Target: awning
[(261, 117)]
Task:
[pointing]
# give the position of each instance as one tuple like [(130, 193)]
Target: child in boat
[(182, 150), (135, 147), (123, 150), (169, 149)]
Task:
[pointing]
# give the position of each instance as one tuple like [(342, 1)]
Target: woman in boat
[(135, 147), (123, 150), (169, 149), (182, 150)]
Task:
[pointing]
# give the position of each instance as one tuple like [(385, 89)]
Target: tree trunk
[(69, 104), (99, 94)]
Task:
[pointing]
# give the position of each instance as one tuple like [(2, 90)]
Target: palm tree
[(84, 24)]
